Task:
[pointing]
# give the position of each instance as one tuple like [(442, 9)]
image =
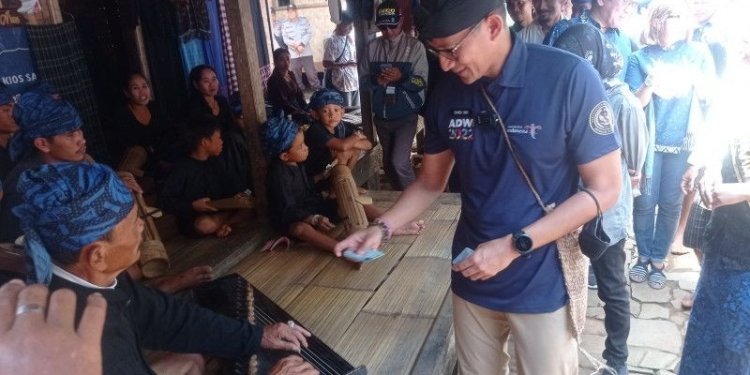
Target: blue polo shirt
[(614, 35), (558, 117)]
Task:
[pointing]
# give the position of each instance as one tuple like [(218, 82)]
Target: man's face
[(291, 14), (282, 62), (123, 246), (330, 115), (469, 62), (548, 11), (391, 32), (214, 145), (521, 11), (7, 122), (70, 146), (298, 151)]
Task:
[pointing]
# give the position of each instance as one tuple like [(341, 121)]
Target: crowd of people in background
[(646, 122)]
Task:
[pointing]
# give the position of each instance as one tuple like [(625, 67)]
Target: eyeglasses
[(383, 27), (450, 53)]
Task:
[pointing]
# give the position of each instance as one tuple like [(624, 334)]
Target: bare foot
[(415, 227), (223, 231), (184, 280), (687, 301)]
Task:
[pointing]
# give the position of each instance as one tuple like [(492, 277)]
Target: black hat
[(448, 17), (291, 6), (388, 14)]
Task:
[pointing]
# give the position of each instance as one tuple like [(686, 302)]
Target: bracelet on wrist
[(385, 229)]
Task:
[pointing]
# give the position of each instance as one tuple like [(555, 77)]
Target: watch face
[(523, 242)]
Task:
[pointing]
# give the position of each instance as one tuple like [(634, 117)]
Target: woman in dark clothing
[(205, 101), (139, 124), (283, 91)]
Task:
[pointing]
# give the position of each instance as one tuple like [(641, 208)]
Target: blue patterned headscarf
[(323, 97), (40, 115), (67, 206), (278, 135)]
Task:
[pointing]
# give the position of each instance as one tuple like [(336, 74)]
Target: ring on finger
[(291, 324), (29, 308)]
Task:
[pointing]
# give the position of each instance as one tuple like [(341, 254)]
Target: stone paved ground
[(658, 323)]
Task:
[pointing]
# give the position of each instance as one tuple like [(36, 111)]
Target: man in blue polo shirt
[(607, 16), (560, 125)]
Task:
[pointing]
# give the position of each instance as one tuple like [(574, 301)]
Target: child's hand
[(325, 223), (203, 205)]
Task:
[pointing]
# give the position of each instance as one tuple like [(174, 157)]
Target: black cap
[(387, 14), (291, 6), (448, 17)]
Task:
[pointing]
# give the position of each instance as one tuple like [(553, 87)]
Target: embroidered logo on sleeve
[(600, 119)]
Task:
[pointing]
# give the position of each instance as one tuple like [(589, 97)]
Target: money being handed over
[(367, 256)]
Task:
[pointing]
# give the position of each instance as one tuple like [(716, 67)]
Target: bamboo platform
[(393, 315)]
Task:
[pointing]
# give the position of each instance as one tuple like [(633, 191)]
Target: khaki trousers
[(544, 344)]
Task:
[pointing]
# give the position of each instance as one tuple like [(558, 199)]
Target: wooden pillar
[(360, 31), (244, 49)]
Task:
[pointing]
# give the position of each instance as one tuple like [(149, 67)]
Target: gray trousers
[(306, 63), (396, 137)]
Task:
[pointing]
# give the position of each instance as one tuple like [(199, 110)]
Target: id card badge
[(390, 94)]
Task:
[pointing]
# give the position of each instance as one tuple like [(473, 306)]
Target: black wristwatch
[(522, 242)]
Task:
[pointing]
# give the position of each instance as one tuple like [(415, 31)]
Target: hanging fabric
[(231, 70), (213, 47), (192, 19)]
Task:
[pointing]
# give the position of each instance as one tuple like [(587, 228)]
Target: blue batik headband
[(324, 97), (278, 135), (67, 206), (40, 115)]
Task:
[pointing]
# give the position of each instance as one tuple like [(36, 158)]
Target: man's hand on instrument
[(360, 241), (293, 365), (488, 259), (203, 205), (40, 337), (284, 337)]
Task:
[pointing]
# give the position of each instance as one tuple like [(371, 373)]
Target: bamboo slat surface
[(392, 315)]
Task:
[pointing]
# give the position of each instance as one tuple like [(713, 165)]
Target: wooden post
[(244, 49), (360, 30)]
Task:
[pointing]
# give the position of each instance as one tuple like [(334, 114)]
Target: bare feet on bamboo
[(184, 280)]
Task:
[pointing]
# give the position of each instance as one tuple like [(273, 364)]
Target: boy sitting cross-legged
[(295, 205), (198, 180), (329, 138)]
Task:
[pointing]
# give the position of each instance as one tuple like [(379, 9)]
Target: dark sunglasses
[(383, 27)]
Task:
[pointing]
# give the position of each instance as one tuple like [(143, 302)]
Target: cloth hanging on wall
[(192, 53), (58, 54), (192, 19), (232, 80), (213, 47), (160, 34)]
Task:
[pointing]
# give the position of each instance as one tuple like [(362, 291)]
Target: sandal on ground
[(656, 278), (639, 272)]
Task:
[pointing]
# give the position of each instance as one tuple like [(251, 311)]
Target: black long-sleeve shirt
[(291, 195), (140, 318)]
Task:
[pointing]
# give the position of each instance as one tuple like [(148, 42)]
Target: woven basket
[(154, 261)]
